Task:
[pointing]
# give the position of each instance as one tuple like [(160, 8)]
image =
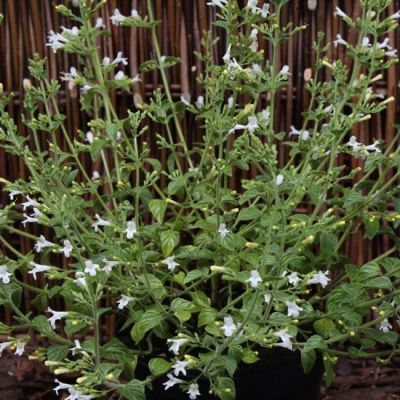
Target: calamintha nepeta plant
[(201, 276)]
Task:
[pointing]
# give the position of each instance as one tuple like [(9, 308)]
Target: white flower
[(76, 347), (74, 31), (294, 279), (56, 41), (99, 23), (385, 326), (170, 262), (89, 137), (85, 88), (136, 79), (396, 15), (38, 268), (279, 180), (265, 115), (3, 346), (373, 147), (180, 367), (131, 229), (120, 59), (229, 327), (106, 61), (385, 44), (123, 301), (252, 125), (293, 310), (42, 243), (57, 315), (199, 102), (4, 274), (321, 278), (95, 176), (340, 40), (29, 203), (61, 386), (80, 278), (234, 66), (353, 143), (252, 6), (255, 279), (218, 3), (185, 101), (254, 40), (119, 76), (285, 339), (267, 298), (172, 381), (392, 53), (176, 344), (366, 42), (14, 193), (265, 10), (230, 102), (20, 349), (71, 75), (222, 230), (100, 222), (29, 219), (67, 249), (285, 71), (91, 268), (303, 135), (134, 13), (109, 265), (340, 13), (193, 391), (117, 17)]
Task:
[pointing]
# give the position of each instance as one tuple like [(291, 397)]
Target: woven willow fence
[(27, 23)]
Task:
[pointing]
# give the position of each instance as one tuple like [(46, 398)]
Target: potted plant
[(214, 288)]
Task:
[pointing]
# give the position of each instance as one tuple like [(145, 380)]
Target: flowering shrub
[(201, 276)]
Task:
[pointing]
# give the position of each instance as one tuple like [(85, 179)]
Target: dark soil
[(21, 379)]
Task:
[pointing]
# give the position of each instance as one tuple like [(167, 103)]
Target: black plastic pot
[(277, 376)]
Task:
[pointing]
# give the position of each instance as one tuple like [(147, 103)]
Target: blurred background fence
[(27, 22)]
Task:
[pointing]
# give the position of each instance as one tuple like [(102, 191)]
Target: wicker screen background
[(27, 22)]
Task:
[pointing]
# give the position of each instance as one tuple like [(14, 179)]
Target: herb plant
[(198, 275)]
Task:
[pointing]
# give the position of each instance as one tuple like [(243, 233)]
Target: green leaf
[(180, 304), (159, 366), (206, 316), (137, 332), (157, 208), (134, 390), (225, 388), (41, 324), (169, 240), (249, 213), (324, 327), (308, 360), (95, 148), (201, 299), (183, 315), (150, 319), (329, 370), (328, 243), (55, 352), (315, 342), (371, 227), (249, 357)]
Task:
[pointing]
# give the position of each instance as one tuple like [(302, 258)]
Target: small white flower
[(303, 135), (199, 102), (61, 386), (279, 180), (230, 102), (67, 249), (265, 10), (120, 59), (20, 349), (396, 15), (89, 137), (252, 125), (29, 219), (252, 6), (74, 31), (385, 44), (176, 344), (91, 268), (285, 71), (42, 243), (77, 347), (71, 75), (392, 53), (99, 23), (254, 40), (56, 41), (29, 203), (222, 230), (100, 222), (185, 100), (180, 368), (170, 262), (109, 265), (320, 277), (217, 3), (172, 381), (285, 339), (14, 193), (267, 298), (117, 17), (366, 42), (265, 115), (136, 79), (95, 176), (80, 278), (234, 67), (37, 268), (293, 310), (193, 391), (229, 327), (3, 346), (85, 88), (131, 229), (385, 326), (255, 279), (4, 274), (353, 143), (124, 301), (340, 13), (373, 147), (106, 61), (119, 76), (293, 278), (57, 315), (134, 13), (339, 40)]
